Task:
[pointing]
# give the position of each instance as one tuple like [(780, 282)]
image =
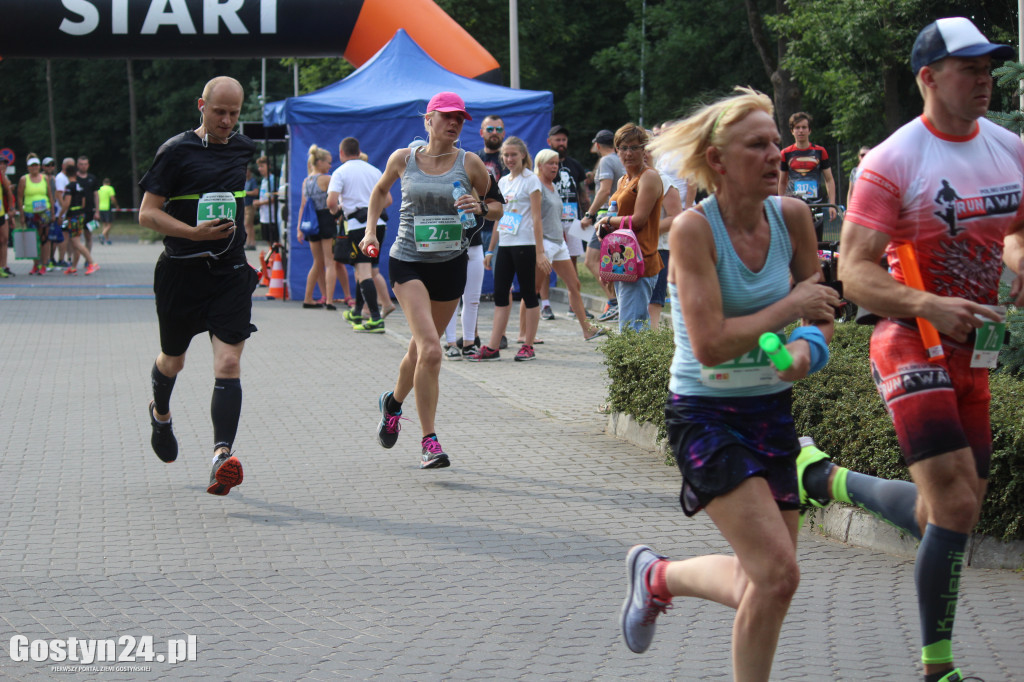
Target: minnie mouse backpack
[(621, 258)]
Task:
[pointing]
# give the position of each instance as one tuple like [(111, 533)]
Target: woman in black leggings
[(520, 236)]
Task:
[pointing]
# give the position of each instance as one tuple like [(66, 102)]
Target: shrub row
[(840, 408)]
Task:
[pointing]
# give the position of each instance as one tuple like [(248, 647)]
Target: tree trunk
[(132, 114), (787, 95), (891, 99), (53, 120)]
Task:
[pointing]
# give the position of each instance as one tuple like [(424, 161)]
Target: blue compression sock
[(940, 559), (892, 501)]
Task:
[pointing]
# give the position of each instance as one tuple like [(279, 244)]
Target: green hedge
[(840, 408)]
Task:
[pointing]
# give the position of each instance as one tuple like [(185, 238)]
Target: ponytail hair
[(315, 154)]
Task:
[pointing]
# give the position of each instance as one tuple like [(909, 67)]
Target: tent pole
[(513, 43)]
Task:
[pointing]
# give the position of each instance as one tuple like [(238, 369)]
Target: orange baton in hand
[(912, 277)]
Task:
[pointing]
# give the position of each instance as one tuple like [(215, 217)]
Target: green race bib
[(751, 369), (437, 233), (216, 205), (988, 341)]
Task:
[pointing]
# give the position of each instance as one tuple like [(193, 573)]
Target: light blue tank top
[(427, 195), (743, 292)]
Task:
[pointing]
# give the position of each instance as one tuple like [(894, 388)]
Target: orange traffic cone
[(264, 271), (276, 279)]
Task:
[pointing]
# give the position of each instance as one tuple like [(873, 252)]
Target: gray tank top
[(427, 232), (316, 196)]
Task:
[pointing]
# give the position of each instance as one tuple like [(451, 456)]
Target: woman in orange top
[(639, 195)]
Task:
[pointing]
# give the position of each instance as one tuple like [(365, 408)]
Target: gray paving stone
[(337, 559)]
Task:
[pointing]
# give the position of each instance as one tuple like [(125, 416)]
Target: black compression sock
[(225, 409), (369, 292), (816, 480), (392, 405), (162, 387)]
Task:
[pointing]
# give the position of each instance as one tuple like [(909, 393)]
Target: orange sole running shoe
[(226, 474)]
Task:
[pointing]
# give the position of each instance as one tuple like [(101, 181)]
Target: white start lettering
[(85, 17)]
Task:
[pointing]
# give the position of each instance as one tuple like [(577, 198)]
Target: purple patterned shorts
[(720, 442)]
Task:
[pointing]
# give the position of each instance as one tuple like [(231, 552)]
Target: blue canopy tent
[(382, 105)]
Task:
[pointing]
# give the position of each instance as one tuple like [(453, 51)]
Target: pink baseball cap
[(448, 101)]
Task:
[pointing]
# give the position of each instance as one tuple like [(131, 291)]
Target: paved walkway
[(337, 559)]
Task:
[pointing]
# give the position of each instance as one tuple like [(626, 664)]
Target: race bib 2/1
[(435, 233)]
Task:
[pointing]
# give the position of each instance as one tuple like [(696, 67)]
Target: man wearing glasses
[(492, 129)]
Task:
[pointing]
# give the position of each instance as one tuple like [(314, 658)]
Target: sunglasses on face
[(494, 129), (632, 148)]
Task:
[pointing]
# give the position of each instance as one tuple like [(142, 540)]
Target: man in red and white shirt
[(807, 168), (949, 185)]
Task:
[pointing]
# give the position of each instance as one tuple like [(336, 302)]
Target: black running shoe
[(387, 430), (225, 475), (165, 445)]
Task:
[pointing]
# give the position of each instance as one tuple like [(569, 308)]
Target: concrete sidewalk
[(337, 559)]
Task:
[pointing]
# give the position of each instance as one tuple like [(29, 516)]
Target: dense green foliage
[(638, 367), (840, 408), (850, 60)]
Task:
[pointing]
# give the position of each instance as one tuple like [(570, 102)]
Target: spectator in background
[(313, 211), (89, 185), (520, 236), (35, 196), (855, 173), (571, 184), (105, 197), (555, 248), (60, 185), (252, 190), (606, 177), (639, 196), (8, 208), (492, 130), (266, 201)]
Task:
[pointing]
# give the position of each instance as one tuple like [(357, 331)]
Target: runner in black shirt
[(194, 192), (73, 202), (90, 184)]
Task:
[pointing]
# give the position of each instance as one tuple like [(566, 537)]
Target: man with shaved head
[(193, 193)]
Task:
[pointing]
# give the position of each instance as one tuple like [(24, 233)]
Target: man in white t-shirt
[(349, 192), (941, 197), (60, 185), (266, 201)]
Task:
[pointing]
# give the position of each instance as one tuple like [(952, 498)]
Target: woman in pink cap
[(428, 258)]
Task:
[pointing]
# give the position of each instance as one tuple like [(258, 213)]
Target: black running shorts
[(201, 295), (445, 281)]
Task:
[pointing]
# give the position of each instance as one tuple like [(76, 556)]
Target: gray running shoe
[(547, 313), (225, 475), (641, 608), (434, 456), (452, 352)]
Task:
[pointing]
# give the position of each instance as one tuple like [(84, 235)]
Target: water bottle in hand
[(467, 219)]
